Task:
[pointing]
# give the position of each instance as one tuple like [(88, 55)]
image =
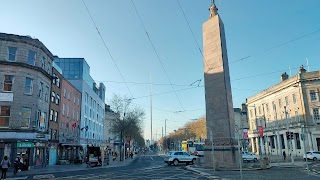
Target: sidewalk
[(275, 163), (66, 168)]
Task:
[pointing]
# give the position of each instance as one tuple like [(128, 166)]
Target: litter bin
[(267, 160), (263, 164)]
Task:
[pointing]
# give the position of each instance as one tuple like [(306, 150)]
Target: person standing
[(284, 155), (5, 164)]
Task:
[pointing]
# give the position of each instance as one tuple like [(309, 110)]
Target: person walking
[(5, 164), (284, 155)]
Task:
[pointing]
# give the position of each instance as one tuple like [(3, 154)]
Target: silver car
[(176, 157)]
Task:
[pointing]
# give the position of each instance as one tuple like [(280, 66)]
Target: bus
[(184, 146)]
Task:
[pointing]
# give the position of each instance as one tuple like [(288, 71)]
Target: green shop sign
[(25, 144)]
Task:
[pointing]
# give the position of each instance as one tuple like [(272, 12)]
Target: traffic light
[(289, 135)]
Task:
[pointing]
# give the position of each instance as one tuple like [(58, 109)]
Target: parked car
[(312, 155), (176, 157), (246, 156)]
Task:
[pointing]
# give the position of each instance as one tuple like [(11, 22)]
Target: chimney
[(302, 70), (284, 76)]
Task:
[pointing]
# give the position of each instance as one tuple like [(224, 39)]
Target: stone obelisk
[(219, 107)]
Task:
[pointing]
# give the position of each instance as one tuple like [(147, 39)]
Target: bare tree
[(128, 122)]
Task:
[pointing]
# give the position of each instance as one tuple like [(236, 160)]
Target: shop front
[(40, 154), (24, 150)]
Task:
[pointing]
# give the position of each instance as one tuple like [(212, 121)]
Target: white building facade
[(292, 106)]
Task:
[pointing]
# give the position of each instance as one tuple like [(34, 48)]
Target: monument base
[(221, 157)]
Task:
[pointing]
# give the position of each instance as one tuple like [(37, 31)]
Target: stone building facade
[(25, 83), (293, 106)]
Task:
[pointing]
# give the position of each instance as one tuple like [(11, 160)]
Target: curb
[(62, 170)]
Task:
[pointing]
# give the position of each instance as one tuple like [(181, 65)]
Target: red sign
[(260, 129)]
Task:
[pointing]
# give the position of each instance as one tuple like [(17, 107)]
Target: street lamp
[(304, 144), (175, 139)]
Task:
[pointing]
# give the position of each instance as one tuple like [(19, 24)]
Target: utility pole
[(289, 133), (162, 132), (151, 107)]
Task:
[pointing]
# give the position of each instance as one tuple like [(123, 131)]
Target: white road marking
[(17, 178)]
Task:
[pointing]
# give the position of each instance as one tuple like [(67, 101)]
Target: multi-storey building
[(290, 106), (77, 72), (55, 103), (109, 137), (242, 126), (25, 83), (70, 114)]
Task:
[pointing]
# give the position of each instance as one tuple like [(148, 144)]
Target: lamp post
[(175, 139), (303, 137)]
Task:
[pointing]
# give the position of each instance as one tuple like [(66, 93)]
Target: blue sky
[(252, 27)]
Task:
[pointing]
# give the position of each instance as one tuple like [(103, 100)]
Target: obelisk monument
[(219, 107)]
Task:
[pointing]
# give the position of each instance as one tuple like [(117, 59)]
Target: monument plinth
[(219, 107)]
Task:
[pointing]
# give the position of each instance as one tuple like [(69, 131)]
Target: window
[(69, 95), (274, 106), (8, 82), (12, 53), (316, 116), (4, 116), (259, 108), (53, 96), (64, 92), (43, 63), (267, 107), (40, 90), (55, 116), (31, 57), (41, 121), (298, 140), (74, 99), (73, 114), (287, 100), (55, 134), (57, 99), (51, 115), (28, 86), (46, 94), (280, 103), (63, 109), (251, 113), (294, 98), (58, 82), (78, 101), (313, 95), (54, 78), (26, 117), (296, 116), (68, 111)]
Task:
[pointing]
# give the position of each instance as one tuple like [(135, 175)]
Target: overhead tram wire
[(264, 51), (105, 45), (156, 52), (194, 38)]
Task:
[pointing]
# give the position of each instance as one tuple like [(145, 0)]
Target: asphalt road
[(150, 166)]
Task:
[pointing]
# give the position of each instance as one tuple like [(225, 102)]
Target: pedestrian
[(16, 165), (5, 164), (284, 155)]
